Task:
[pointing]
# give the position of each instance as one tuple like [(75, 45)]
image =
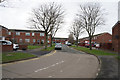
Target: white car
[(15, 46), (58, 46), (6, 42)]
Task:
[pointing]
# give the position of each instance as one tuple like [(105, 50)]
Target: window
[(27, 40), (33, 34), (20, 40), (27, 34), (116, 37), (41, 34), (42, 41), (17, 33), (34, 40), (48, 41), (38, 40), (9, 33)]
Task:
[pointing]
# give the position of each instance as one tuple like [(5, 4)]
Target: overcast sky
[(14, 14)]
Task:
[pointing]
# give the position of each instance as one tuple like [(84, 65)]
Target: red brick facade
[(24, 36), (60, 40), (116, 37), (99, 38), (3, 32)]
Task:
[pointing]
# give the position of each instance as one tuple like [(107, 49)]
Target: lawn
[(118, 57), (49, 48), (94, 51), (33, 46), (6, 57)]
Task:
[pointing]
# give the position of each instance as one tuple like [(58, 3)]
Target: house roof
[(3, 27), (96, 35), (116, 24), (25, 30), (59, 38), (20, 30)]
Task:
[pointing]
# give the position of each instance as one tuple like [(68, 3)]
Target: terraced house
[(23, 36)]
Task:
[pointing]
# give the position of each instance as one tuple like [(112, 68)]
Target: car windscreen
[(59, 44)]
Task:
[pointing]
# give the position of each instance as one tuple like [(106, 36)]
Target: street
[(65, 63)]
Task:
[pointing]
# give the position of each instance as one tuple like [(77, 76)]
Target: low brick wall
[(23, 47), (106, 46), (7, 48)]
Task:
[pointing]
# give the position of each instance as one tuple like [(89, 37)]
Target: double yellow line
[(30, 59)]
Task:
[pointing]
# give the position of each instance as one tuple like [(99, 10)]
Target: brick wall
[(106, 46), (7, 48), (104, 38), (116, 37), (16, 38)]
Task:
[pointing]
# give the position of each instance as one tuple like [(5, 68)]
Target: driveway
[(65, 63)]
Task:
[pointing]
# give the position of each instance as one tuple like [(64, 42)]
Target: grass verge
[(8, 57), (33, 46), (94, 51), (49, 48), (118, 57)]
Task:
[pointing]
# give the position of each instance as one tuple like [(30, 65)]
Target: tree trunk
[(77, 41), (90, 42), (51, 41), (46, 43)]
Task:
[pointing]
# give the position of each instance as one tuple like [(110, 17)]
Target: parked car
[(5, 42), (15, 46), (58, 46), (69, 44)]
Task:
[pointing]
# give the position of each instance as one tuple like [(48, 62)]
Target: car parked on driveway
[(58, 46), (6, 42), (15, 46)]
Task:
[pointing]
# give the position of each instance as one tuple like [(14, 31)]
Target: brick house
[(116, 37), (60, 40), (99, 38), (3, 32), (24, 36)]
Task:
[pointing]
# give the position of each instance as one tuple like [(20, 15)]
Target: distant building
[(60, 40), (99, 38), (116, 37), (23, 36)]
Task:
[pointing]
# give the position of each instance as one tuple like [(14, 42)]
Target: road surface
[(65, 63)]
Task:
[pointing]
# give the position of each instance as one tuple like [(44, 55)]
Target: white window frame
[(20, 40), (33, 34), (42, 34), (27, 40), (43, 40), (27, 34), (17, 33), (34, 40), (48, 41), (9, 33)]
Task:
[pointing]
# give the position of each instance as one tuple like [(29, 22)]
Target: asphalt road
[(65, 63)]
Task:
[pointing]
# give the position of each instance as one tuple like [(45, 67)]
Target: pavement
[(65, 63), (109, 67)]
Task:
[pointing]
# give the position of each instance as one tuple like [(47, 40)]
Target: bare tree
[(77, 29), (91, 15), (1, 1), (45, 17), (57, 26)]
